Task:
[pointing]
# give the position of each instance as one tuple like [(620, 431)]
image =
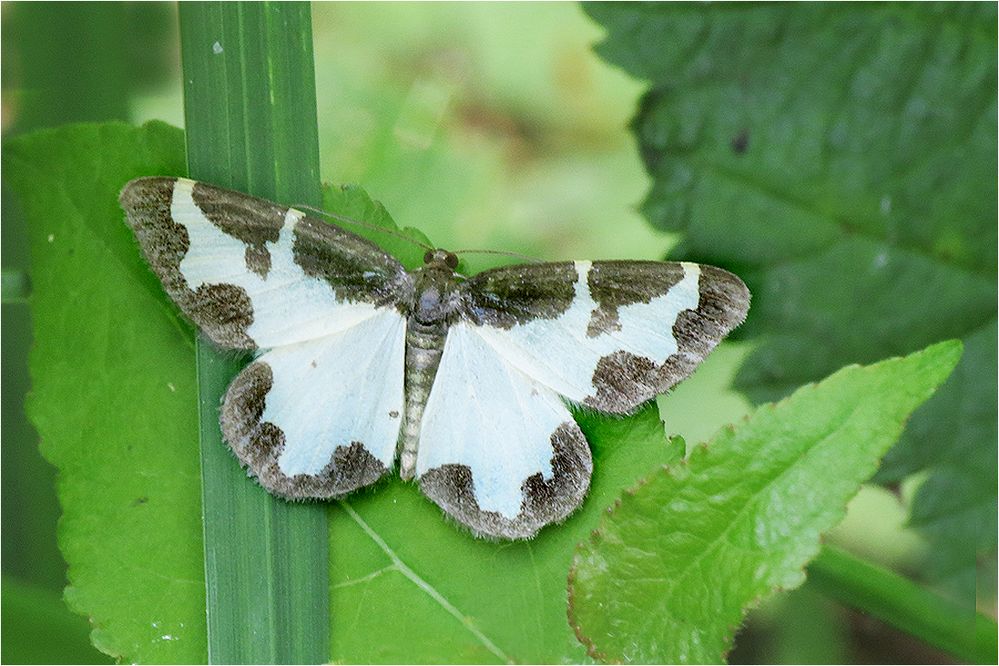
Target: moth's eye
[(451, 260), (428, 256)]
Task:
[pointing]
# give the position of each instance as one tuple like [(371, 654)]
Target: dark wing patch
[(452, 487), (254, 221), (623, 380), (258, 444), (223, 311), (247, 282), (614, 284), (355, 268), (510, 295)]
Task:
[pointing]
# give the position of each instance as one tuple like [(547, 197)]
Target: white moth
[(463, 380)]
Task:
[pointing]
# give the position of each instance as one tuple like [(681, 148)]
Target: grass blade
[(250, 112)]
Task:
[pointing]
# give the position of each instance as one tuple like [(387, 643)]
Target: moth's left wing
[(608, 334), (253, 274), (321, 418)]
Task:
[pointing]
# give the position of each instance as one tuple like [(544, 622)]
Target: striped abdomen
[(424, 346)]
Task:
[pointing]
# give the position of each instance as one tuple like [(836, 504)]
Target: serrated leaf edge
[(597, 534)]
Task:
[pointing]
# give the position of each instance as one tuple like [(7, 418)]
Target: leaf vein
[(414, 578)]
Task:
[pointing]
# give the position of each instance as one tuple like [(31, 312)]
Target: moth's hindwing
[(252, 274), (321, 418), (608, 334), (498, 452)]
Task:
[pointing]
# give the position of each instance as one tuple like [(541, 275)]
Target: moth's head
[(441, 259)]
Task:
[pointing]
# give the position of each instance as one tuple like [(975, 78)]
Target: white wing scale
[(321, 418), (562, 355), (288, 305)]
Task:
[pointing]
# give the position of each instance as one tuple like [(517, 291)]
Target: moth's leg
[(424, 346)]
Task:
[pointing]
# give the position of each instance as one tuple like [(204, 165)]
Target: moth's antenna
[(361, 223), (533, 260)]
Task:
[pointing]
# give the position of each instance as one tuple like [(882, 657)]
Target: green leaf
[(842, 159), (673, 568), (113, 394), (355, 211), (408, 586), (128, 461)]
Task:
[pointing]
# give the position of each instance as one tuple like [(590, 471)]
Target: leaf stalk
[(967, 634)]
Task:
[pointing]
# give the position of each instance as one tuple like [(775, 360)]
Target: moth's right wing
[(499, 452), (252, 274), (607, 334)]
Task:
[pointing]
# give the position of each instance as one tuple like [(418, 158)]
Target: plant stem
[(965, 633), (250, 112)]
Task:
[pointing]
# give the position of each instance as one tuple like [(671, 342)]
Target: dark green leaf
[(673, 568), (842, 159), (39, 629)]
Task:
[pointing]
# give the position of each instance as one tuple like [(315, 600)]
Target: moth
[(466, 381)]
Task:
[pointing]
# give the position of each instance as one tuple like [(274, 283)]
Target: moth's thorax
[(436, 294)]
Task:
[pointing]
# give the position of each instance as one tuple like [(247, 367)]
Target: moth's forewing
[(255, 275), (608, 334)]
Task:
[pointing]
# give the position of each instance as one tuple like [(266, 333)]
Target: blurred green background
[(487, 126)]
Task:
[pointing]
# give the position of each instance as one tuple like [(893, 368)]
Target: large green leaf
[(842, 159), (673, 568), (113, 394), (408, 586), (126, 448)]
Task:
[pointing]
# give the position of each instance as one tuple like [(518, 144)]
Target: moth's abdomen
[(424, 347)]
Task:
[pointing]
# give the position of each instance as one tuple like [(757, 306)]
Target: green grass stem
[(250, 114), (968, 635)]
